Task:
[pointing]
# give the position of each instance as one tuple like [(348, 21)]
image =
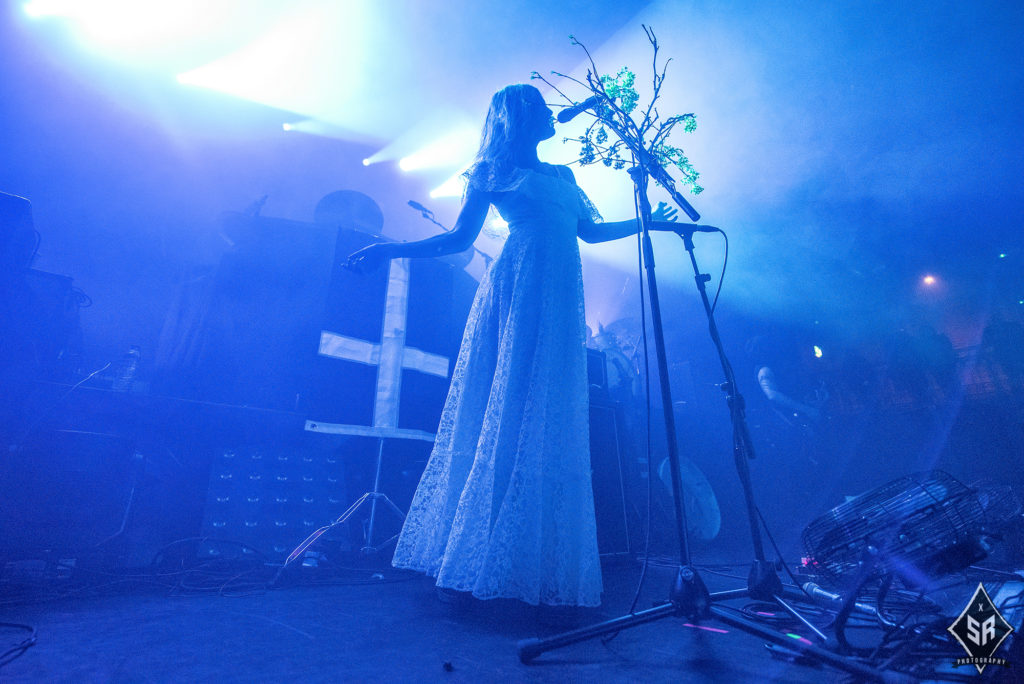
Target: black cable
[(18, 649), (647, 405), (82, 300), (158, 556), (778, 551), (45, 412), (721, 278), (647, 414)]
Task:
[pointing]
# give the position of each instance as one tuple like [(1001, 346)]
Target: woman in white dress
[(504, 507)]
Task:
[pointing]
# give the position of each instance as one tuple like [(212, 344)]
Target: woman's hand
[(370, 258), (664, 213)]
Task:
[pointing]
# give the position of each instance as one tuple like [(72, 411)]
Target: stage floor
[(365, 624), (393, 629)]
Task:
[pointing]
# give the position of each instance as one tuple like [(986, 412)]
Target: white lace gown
[(505, 506)]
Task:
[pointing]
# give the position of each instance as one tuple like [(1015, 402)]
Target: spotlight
[(286, 126), (1002, 255), (928, 280), (817, 352), (366, 162), (46, 8)]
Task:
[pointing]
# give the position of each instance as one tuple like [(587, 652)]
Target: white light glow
[(137, 25), (455, 147), (50, 8), (452, 187), (280, 69)]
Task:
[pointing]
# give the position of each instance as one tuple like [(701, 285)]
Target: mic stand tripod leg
[(372, 497)]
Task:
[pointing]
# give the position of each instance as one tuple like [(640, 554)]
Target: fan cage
[(916, 527)]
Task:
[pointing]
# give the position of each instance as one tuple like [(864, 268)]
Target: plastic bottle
[(126, 370)]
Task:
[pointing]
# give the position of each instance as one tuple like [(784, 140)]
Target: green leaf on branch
[(621, 86)]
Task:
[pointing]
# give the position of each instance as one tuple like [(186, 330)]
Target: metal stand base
[(690, 600), (373, 497)]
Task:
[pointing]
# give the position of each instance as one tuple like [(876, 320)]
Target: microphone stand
[(688, 595)]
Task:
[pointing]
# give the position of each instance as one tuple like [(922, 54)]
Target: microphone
[(419, 207), (570, 113), (684, 229)]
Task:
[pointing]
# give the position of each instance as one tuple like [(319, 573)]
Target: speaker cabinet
[(65, 491), (610, 476), (269, 498)]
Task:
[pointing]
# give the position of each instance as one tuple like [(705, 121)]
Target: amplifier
[(66, 492), (610, 479), (597, 372), (17, 236)]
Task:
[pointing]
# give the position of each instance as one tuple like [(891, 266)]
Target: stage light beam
[(138, 26), (51, 8), (453, 187), (450, 149), (280, 69)]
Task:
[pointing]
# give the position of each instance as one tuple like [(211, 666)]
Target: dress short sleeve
[(586, 208), (483, 176)]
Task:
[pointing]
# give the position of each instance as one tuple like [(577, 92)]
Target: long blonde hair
[(502, 135)]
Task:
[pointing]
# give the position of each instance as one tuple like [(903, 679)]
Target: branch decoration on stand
[(643, 138)]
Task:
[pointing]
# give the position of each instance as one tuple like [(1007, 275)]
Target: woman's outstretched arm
[(663, 217), (467, 227)]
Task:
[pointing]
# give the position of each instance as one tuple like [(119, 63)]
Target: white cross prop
[(391, 357)]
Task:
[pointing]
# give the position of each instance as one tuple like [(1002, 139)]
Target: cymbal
[(350, 209), (703, 517)]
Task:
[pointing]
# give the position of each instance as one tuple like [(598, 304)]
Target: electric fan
[(917, 527)]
